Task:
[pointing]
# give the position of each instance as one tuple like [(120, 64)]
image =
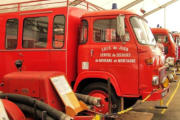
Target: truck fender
[(98, 74), (13, 110)]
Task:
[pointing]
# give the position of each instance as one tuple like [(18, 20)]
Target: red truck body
[(165, 37), (134, 67)]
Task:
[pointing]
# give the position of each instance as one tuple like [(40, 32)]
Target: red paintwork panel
[(13, 111)]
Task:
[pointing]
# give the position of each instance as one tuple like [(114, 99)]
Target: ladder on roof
[(43, 4)]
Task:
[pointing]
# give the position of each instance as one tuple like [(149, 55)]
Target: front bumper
[(156, 95)]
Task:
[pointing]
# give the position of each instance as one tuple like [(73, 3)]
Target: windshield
[(142, 31), (84, 32)]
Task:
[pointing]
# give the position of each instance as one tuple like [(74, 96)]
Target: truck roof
[(108, 12), (72, 9), (159, 30)]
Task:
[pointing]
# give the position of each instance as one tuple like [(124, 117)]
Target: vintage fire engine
[(164, 37), (90, 48)]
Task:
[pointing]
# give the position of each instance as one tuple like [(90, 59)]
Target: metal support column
[(165, 17)]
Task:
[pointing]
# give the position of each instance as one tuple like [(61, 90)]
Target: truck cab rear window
[(35, 32), (58, 31), (105, 30), (84, 32), (11, 34)]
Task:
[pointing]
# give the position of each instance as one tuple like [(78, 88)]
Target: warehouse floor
[(172, 99)]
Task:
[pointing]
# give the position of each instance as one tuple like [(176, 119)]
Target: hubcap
[(104, 100)]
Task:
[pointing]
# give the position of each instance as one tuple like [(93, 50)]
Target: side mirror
[(121, 27)]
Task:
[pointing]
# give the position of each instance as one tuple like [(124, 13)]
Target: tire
[(100, 89)]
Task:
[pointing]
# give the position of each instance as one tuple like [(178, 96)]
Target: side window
[(84, 32), (58, 31), (11, 34), (35, 32), (105, 30)]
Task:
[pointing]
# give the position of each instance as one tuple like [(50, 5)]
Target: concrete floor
[(173, 111)]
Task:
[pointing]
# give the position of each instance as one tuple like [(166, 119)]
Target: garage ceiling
[(133, 5), (149, 6)]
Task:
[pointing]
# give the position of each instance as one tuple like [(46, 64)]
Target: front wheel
[(100, 89)]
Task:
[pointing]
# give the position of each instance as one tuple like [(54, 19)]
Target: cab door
[(109, 54), (58, 54)]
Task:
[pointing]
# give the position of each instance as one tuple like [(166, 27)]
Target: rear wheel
[(100, 89)]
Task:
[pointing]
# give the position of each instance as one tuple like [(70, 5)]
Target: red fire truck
[(90, 48), (176, 37), (164, 37)]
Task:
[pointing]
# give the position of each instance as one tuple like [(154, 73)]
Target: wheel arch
[(86, 78)]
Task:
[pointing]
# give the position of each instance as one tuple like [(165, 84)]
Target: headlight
[(155, 80), (165, 82), (170, 77)]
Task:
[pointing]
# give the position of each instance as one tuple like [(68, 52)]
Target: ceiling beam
[(131, 4), (76, 2), (160, 7), (93, 5)]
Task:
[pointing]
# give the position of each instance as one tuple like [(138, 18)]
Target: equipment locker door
[(9, 43), (34, 46)]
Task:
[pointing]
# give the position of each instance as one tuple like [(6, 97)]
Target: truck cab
[(119, 46), (164, 37)]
